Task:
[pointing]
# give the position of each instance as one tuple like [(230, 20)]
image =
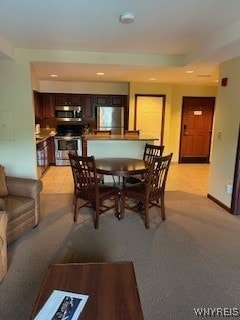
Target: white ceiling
[(198, 33)]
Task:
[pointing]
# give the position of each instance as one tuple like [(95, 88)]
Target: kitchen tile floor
[(192, 178)]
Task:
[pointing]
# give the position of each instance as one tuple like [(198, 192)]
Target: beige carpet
[(190, 260)]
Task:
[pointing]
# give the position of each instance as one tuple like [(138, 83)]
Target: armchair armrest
[(26, 188), (3, 244), (23, 187), (2, 204)]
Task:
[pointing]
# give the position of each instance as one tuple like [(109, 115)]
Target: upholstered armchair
[(3, 244), (22, 205), (19, 211)]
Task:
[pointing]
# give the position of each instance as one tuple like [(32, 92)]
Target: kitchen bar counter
[(122, 137), (115, 146)]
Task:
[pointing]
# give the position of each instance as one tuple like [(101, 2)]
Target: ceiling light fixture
[(100, 73), (189, 71), (152, 79), (126, 18), (53, 75), (204, 75)]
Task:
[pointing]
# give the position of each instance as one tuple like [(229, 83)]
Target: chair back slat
[(152, 151), (132, 133), (103, 133), (84, 175), (88, 188), (157, 175)]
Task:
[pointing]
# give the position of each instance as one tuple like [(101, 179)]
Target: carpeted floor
[(189, 261)]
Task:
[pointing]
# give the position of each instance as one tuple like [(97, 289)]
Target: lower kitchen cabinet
[(51, 151), (45, 154)]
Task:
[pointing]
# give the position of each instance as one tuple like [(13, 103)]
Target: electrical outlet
[(229, 188)]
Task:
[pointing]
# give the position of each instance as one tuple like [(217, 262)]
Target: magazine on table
[(62, 305)]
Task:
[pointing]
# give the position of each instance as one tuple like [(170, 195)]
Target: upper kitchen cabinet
[(48, 105), (101, 100), (66, 99), (88, 108), (118, 101), (111, 100), (37, 104)]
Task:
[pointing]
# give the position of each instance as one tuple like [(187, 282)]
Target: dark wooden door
[(196, 129)]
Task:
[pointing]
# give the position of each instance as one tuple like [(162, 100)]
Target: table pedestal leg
[(118, 214)]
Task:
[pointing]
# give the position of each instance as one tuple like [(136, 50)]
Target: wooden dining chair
[(88, 188), (150, 192), (150, 151), (75, 153), (103, 133), (132, 133)]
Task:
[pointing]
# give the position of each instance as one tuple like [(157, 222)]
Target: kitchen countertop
[(93, 137), (43, 136)]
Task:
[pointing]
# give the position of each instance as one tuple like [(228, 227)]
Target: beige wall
[(17, 142), (174, 94), (84, 87), (18, 153), (226, 129)]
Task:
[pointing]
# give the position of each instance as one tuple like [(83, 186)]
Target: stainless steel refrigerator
[(110, 118)]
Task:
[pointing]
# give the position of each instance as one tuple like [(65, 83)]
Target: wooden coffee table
[(111, 286)]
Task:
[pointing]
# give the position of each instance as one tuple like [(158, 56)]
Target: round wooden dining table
[(121, 167)]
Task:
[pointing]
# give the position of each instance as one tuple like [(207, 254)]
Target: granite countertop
[(94, 137), (43, 136)]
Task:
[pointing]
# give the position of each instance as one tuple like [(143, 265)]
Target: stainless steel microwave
[(68, 113)]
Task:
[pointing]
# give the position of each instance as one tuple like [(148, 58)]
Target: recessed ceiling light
[(189, 71), (53, 75), (203, 75), (126, 18), (100, 73), (152, 79)]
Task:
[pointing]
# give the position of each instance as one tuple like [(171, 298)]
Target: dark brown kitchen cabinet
[(37, 104), (48, 105), (65, 99), (111, 100), (45, 154), (84, 147), (51, 151), (101, 100), (88, 108), (118, 101)]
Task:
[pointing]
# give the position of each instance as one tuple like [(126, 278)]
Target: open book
[(62, 305)]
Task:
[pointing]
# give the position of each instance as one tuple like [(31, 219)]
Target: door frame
[(235, 203), (181, 126), (163, 96)]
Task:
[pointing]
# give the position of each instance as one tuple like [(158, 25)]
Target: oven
[(62, 146)]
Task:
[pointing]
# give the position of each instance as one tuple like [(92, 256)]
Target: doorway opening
[(149, 115)]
